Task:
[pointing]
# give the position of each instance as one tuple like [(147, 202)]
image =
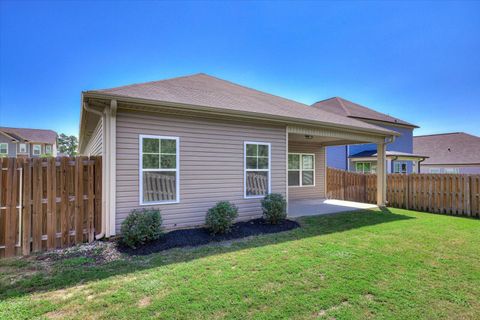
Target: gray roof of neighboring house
[(31, 135), (350, 109), (206, 91), (449, 148), (388, 153)]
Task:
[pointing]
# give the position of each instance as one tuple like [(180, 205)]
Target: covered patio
[(307, 169), (313, 207)]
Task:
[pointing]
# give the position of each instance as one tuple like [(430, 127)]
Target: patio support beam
[(381, 175)]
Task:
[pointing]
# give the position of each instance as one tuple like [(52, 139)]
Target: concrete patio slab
[(313, 207)]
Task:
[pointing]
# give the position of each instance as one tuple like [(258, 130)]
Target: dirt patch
[(202, 236), (144, 302), (324, 312), (95, 253)]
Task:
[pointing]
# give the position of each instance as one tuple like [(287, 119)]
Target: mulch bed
[(201, 236)]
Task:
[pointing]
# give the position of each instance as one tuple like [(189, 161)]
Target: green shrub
[(274, 208), (220, 218), (141, 226)]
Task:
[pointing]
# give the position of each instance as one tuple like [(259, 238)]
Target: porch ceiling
[(331, 137)]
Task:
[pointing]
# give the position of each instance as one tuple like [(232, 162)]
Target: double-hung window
[(399, 167), (159, 170), (22, 148), (48, 149), (3, 149), (37, 149), (257, 169), (364, 167), (301, 170)]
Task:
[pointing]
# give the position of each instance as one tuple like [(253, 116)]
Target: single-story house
[(456, 152), (183, 144), (362, 157), (27, 142)]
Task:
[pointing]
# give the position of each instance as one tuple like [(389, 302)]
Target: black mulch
[(201, 236)]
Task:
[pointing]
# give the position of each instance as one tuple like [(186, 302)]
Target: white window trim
[(269, 170), (363, 171), (5, 143), (400, 163), (20, 148), (301, 170), (51, 150), (33, 149), (140, 170)]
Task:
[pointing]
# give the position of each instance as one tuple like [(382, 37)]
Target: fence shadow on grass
[(63, 275)]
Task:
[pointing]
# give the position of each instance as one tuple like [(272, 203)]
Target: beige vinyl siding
[(309, 192), (94, 146), (211, 164)]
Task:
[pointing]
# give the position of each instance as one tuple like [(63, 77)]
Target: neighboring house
[(362, 157), (23, 142), (183, 144), (456, 152)]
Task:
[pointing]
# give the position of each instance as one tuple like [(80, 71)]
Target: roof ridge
[(28, 129), (143, 83), (253, 89), (443, 134)]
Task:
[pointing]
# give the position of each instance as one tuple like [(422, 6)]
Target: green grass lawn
[(393, 264)]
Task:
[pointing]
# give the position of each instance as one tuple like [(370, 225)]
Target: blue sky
[(419, 61)]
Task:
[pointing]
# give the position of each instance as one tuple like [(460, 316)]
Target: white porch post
[(381, 175)]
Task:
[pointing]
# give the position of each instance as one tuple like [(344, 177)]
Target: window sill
[(157, 203)]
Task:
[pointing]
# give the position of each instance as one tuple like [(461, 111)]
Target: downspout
[(112, 167), (419, 162), (101, 114)]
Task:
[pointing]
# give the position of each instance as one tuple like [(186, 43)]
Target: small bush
[(141, 226), (220, 218), (274, 208)]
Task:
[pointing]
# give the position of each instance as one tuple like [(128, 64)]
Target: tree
[(67, 144)]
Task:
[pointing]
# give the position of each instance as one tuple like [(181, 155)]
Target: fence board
[(78, 200), (27, 207), (51, 203), (10, 208)]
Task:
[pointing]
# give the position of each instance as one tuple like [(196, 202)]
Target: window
[(48, 149), (37, 149), (399, 167), (159, 170), (301, 170), (3, 149), (363, 167), (452, 170), (257, 169), (22, 148)]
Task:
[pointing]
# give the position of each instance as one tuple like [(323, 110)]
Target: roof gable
[(206, 91), (448, 148), (348, 108)]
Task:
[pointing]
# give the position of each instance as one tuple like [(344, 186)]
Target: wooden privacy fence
[(454, 194), (48, 203)]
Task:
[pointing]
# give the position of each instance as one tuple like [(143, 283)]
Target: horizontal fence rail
[(48, 203), (454, 194)]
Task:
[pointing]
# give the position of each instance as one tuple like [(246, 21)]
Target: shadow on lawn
[(62, 276)]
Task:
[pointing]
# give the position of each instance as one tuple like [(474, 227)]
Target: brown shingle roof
[(448, 148), (206, 91), (347, 108), (32, 135)]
